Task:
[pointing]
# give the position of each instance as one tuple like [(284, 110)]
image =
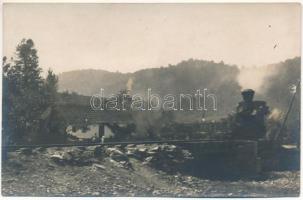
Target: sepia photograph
[(175, 100)]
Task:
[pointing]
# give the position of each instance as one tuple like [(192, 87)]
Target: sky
[(130, 37)]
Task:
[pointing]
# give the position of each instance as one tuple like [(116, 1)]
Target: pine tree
[(53, 124), (24, 86), (51, 87)]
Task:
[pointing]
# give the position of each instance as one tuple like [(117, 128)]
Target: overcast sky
[(130, 37)]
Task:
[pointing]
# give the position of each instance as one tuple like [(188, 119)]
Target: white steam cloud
[(254, 77), (129, 84)]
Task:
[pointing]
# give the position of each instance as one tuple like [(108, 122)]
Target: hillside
[(42, 172), (88, 82), (186, 77)]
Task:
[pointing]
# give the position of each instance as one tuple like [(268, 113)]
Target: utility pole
[(288, 111)]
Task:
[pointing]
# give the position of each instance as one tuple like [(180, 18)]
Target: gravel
[(37, 174)]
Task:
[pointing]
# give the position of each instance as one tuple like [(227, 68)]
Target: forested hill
[(187, 77), (183, 77), (88, 82)]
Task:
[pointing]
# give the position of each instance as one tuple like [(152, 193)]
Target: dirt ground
[(35, 174)]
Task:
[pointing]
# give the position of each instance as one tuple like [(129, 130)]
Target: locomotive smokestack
[(248, 95)]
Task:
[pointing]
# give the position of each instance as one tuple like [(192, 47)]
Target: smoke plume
[(129, 84), (254, 77)]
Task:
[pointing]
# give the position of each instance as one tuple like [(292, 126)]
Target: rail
[(118, 143)]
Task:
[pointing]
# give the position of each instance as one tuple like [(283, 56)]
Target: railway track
[(117, 143)]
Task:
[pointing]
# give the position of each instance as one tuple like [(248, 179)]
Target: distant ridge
[(186, 77)]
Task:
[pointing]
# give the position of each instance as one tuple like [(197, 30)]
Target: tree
[(51, 87), (28, 99), (5, 108), (23, 86), (52, 124)]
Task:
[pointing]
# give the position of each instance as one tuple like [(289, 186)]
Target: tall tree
[(51, 87), (24, 90), (52, 123)]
